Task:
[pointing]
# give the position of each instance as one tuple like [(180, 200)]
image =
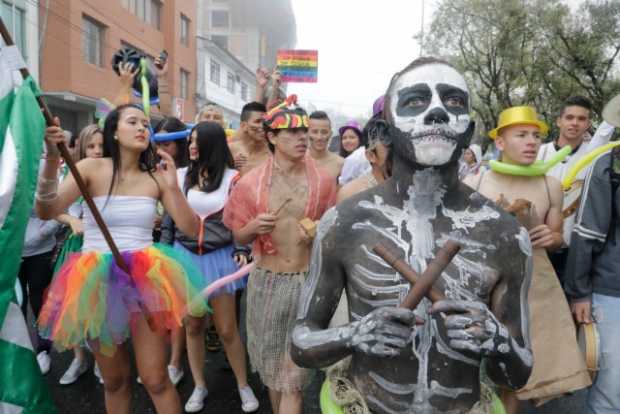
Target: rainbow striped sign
[(298, 65)]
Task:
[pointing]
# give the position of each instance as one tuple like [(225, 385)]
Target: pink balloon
[(243, 271)]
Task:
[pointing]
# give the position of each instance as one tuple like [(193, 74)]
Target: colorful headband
[(286, 115)]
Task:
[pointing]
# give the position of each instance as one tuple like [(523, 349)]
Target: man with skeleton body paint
[(400, 365)]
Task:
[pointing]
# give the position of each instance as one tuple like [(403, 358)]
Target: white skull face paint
[(430, 105)]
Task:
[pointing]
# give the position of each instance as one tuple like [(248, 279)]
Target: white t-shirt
[(600, 138)]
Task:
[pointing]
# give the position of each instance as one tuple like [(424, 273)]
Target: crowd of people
[(187, 212)]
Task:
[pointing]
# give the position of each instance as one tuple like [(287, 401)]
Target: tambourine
[(589, 343)]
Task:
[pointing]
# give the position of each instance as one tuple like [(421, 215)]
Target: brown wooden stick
[(288, 200), (64, 152), (431, 274), (421, 286)]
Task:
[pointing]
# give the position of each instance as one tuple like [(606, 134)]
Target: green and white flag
[(22, 388)]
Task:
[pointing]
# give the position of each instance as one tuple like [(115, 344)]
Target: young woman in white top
[(206, 182), (91, 299)]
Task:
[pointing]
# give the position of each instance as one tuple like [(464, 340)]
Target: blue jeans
[(604, 395)]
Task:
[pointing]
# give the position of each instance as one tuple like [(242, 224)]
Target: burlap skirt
[(271, 311), (559, 366)]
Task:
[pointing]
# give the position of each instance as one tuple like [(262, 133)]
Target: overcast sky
[(361, 44)]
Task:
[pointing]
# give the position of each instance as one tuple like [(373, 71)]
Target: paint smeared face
[(430, 106)]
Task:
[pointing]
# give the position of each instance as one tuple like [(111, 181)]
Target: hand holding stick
[(288, 200), (421, 286)]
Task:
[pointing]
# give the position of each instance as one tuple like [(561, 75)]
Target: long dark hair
[(213, 158), (172, 124), (111, 149)]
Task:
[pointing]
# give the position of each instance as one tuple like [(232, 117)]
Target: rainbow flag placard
[(298, 65)]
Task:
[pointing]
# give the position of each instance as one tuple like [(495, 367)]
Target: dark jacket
[(594, 257), (216, 236)]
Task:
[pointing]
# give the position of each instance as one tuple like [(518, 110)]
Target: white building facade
[(235, 38), (22, 20)]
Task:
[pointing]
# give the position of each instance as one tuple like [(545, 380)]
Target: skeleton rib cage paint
[(434, 369)]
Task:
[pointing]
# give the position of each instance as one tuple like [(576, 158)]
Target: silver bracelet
[(46, 198)]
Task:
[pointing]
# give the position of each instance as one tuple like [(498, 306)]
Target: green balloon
[(537, 169)]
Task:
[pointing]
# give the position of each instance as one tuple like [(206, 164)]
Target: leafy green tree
[(529, 52)]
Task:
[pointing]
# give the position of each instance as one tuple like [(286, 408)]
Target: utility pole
[(422, 30)]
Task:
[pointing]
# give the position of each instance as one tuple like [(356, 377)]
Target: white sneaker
[(97, 373), (74, 371), (44, 360), (249, 403), (175, 374), (196, 401)]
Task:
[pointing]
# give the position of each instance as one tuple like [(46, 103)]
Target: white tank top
[(130, 220), (206, 204)]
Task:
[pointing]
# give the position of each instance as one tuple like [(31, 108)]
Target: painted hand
[(471, 326), (384, 332)]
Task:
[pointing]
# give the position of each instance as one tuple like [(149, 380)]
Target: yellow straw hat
[(519, 115)]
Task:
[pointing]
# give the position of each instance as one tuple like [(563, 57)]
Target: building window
[(92, 41), (149, 11), (184, 30), (184, 84), (14, 18), (215, 72), (220, 19), (220, 40), (244, 91), (156, 14), (230, 83)]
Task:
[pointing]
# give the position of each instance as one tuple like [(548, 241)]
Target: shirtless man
[(265, 208), (552, 334), (250, 149), (396, 365), (319, 133), (377, 154)]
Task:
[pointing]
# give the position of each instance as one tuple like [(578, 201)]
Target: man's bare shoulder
[(236, 146)]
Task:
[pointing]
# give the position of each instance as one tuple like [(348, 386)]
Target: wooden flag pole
[(64, 152)]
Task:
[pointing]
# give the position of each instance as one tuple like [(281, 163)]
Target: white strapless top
[(130, 220)]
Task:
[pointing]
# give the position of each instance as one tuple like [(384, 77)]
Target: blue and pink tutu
[(215, 265)]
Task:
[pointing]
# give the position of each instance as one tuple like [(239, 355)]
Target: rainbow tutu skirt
[(92, 300)]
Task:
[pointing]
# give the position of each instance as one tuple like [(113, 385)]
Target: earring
[(116, 137)]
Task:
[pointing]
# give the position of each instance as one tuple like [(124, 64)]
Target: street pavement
[(86, 395)]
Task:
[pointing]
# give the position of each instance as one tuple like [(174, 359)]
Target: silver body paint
[(415, 218)]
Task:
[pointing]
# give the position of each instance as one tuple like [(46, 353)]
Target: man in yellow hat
[(536, 201)]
